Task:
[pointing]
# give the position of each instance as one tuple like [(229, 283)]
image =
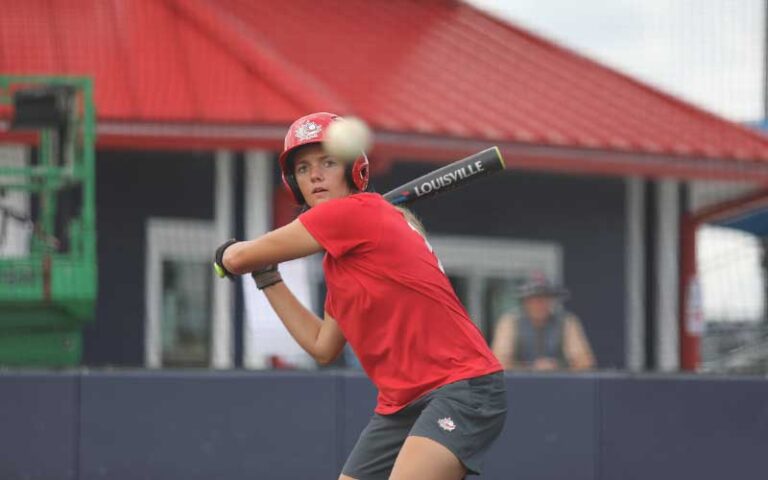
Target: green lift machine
[(48, 286)]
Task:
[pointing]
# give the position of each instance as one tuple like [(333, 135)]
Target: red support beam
[(690, 307)]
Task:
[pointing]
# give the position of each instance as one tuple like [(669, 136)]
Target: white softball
[(347, 138)]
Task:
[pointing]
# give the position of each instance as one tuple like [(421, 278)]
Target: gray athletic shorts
[(465, 416)]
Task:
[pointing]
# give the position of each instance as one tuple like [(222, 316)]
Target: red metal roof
[(434, 77)]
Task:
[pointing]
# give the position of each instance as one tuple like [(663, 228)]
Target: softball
[(347, 138)]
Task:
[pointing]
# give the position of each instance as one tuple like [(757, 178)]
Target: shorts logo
[(447, 424), (308, 130)]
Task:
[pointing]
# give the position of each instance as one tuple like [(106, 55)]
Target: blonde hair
[(413, 220)]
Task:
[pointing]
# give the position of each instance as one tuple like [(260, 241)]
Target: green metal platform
[(48, 292)]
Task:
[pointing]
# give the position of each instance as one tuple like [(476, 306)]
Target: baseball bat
[(449, 177)]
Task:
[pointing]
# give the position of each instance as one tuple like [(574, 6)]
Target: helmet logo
[(308, 130)]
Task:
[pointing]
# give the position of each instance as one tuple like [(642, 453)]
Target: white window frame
[(479, 258), (170, 239)]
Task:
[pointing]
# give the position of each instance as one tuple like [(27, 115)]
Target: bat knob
[(220, 272)]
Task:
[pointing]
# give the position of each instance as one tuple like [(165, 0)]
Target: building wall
[(131, 187), (585, 215)]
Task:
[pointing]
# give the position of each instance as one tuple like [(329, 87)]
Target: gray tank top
[(534, 342)]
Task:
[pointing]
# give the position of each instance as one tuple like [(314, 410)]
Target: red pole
[(691, 314)]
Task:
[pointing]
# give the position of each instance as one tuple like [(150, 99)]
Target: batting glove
[(218, 263), (266, 277)]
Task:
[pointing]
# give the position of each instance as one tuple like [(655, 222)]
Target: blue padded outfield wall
[(273, 425)]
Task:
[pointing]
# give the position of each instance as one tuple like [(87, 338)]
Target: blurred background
[(137, 135), (706, 54)]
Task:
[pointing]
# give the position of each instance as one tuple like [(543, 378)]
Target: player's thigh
[(465, 418), (422, 458), (374, 454)]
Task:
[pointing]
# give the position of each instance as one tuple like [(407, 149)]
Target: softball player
[(441, 395)]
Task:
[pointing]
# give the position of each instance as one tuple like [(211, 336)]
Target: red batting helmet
[(312, 129)]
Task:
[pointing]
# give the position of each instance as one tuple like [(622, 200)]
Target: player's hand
[(218, 262), (266, 277)]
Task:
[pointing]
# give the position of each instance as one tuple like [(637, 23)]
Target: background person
[(543, 336)]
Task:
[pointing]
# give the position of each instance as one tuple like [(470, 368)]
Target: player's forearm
[(250, 255), (303, 325), (286, 243)]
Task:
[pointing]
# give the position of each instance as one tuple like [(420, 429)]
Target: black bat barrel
[(449, 177)]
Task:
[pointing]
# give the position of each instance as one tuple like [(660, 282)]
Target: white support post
[(258, 221), (667, 276), (222, 355)]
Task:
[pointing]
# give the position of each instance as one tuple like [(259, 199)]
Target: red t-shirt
[(392, 301)]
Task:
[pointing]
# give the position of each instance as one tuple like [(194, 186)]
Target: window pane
[(186, 314), (729, 300), (500, 297)]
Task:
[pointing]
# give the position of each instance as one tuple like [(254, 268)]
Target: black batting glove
[(218, 263), (266, 277)]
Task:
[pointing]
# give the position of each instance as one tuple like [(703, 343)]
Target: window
[(186, 313), (486, 272), (180, 293)]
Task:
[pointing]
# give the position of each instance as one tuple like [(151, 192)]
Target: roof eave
[(390, 146)]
